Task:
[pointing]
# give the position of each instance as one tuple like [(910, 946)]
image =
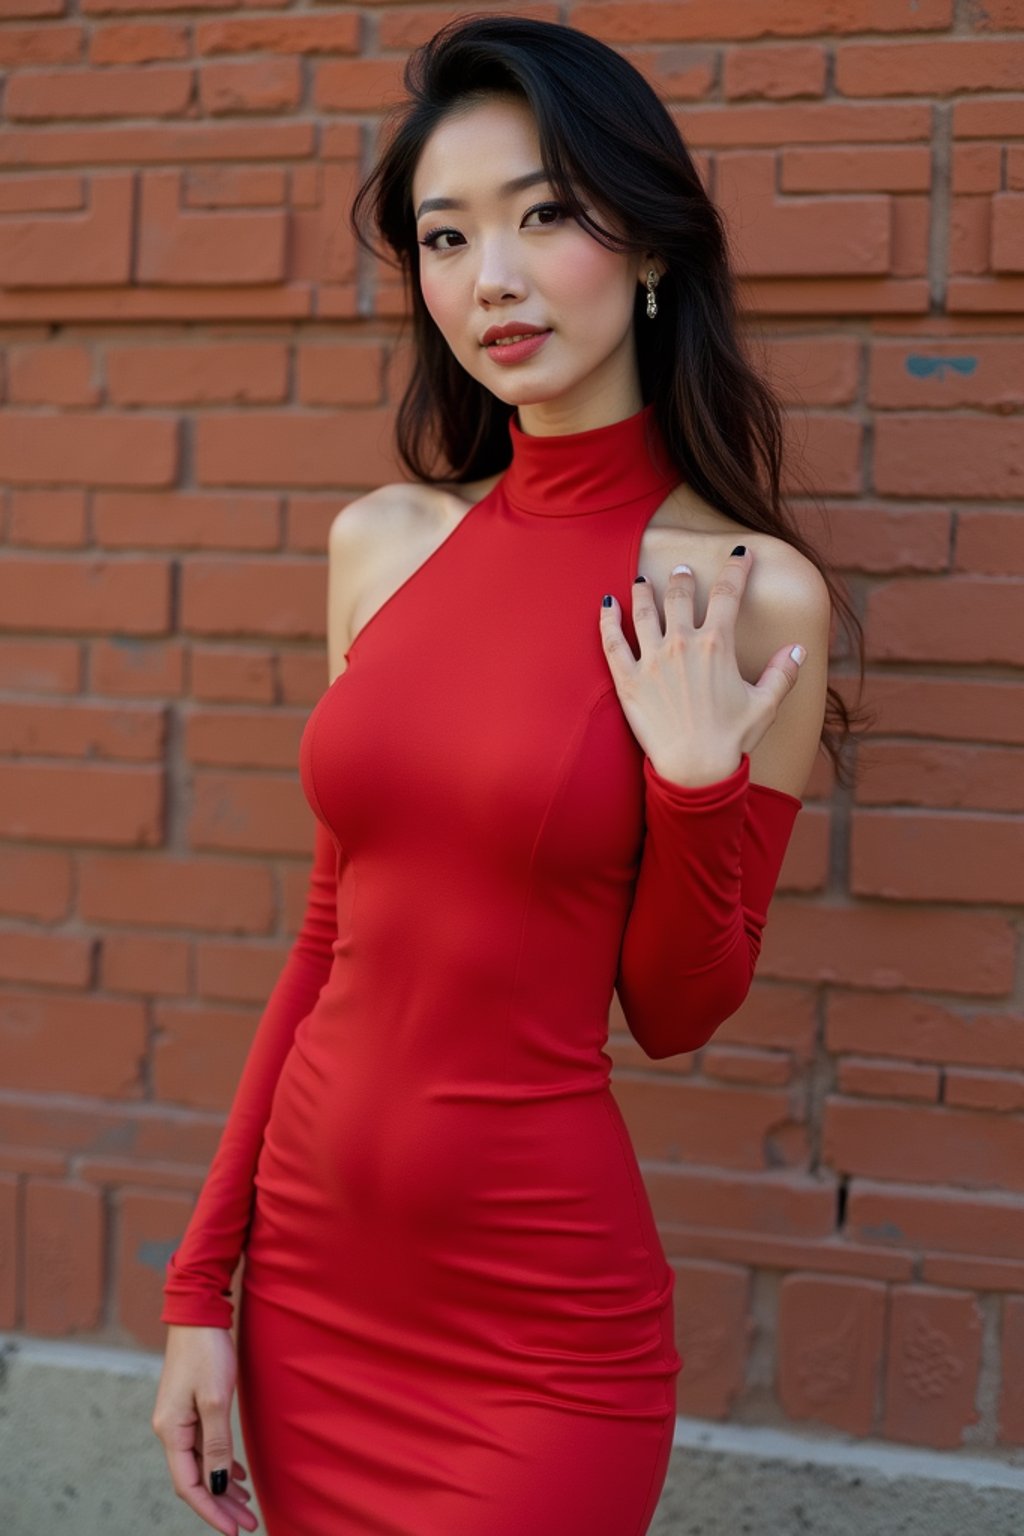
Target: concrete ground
[(78, 1454)]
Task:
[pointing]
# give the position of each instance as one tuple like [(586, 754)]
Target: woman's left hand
[(685, 699)]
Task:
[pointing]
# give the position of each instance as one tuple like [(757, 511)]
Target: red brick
[(40, 666), (999, 1091), (938, 68), (248, 812), (976, 168), (1011, 1395), (830, 122), (995, 16), (41, 193), (830, 1350), (774, 1017), (946, 618), (121, 597), (349, 373), (51, 375), (76, 449), (98, 93), (927, 856), (47, 519), (944, 1220), (972, 1274), (10, 1301), (184, 247), (82, 804), (887, 1080), (939, 774), (300, 33), (976, 372), (715, 1332), (934, 1360), (921, 1030), (82, 729), (137, 670), (169, 520), (151, 966), (879, 539), (257, 85), (35, 883), (93, 246), (64, 1245), (54, 960), (198, 1054), (1014, 165), (1007, 232), (782, 1204), (877, 946), (773, 238), (677, 1122), (198, 373), (624, 20), (139, 145), (740, 1064), (990, 542), (29, 46), (930, 1145), (212, 895), (221, 674), (777, 72), (949, 455), (678, 73), (358, 85), (921, 706), (144, 1218), (228, 186), (42, 1046), (315, 449), (970, 235), (813, 370), (856, 170), (835, 1257), (138, 42)]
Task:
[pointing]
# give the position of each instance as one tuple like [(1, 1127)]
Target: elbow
[(664, 1030)]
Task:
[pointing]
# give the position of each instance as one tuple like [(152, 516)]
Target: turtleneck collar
[(573, 472)]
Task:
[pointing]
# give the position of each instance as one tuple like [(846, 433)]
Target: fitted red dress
[(456, 1313)]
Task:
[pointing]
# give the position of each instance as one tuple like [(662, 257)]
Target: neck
[(567, 473)]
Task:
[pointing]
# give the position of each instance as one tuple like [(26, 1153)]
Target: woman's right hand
[(192, 1417)]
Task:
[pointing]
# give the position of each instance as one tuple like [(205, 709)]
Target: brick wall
[(197, 369)]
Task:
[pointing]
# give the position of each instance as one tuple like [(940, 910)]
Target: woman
[(529, 789)]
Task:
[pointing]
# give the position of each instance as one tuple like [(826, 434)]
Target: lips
[(511, 329)]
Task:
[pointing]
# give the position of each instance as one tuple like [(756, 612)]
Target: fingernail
[(740, 549), (219, 1480), (677, 568), (798, 653), (606, 601), (638, 578)]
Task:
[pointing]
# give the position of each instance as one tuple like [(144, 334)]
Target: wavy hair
[(604, 130)]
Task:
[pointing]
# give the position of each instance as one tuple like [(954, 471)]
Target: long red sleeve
[(197, 1288), (709, 867)]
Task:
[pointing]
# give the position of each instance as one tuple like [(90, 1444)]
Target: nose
[(497, 278)]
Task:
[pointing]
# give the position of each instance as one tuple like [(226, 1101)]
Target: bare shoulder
[(370, 533)]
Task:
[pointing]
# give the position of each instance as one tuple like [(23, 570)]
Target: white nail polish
[(798, 653), (677, 568)]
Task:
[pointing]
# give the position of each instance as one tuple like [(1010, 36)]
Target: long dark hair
[(604, 129)]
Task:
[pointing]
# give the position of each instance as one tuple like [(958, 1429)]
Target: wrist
[(694, 775)]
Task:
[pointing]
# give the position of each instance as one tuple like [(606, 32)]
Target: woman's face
[(513, 256)]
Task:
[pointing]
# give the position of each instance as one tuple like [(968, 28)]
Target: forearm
[(199, 1272), (710, 863)]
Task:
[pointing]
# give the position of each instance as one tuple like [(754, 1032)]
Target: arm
[(710, 864), (198, 1282)]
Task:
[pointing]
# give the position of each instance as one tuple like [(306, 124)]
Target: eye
[(432, 236)]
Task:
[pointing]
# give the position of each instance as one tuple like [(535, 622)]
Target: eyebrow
[(517, 184)]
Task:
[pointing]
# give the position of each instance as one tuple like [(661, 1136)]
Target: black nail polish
[(606, 601), (219, 1480), (638, 578), (740, 549)]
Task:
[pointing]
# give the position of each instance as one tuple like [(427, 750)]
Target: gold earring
[(652, 303)]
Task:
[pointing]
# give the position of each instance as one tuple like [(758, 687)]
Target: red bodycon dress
[(455, 1311)]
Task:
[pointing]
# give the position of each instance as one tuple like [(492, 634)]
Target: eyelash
[(431, 237)]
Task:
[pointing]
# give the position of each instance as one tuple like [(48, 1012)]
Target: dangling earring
[(652, 303)]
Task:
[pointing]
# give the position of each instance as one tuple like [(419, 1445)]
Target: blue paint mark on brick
[(924, 367), (154, 1254)]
